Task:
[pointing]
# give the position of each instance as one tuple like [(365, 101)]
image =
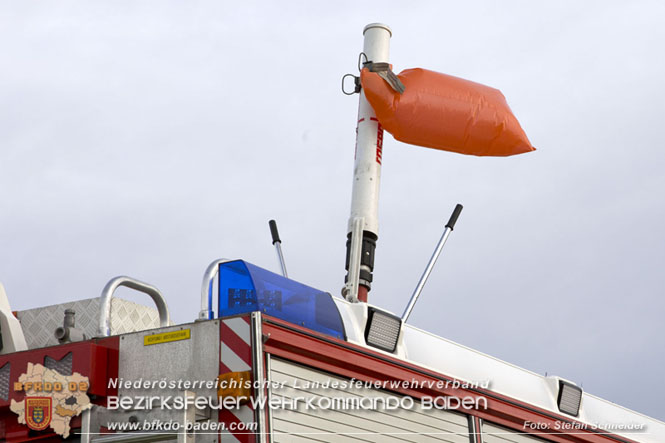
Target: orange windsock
[(444, 112)]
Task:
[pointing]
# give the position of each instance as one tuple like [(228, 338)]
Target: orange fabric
[(444, 112)]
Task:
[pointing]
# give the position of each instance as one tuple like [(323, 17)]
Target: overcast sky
[(148, 138)]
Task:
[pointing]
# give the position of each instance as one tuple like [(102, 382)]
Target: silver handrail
[(206, 288), (104, 328)]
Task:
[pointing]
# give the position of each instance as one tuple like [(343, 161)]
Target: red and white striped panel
[(236, 356)]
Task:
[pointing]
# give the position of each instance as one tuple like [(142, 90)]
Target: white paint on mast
[(367, 167)]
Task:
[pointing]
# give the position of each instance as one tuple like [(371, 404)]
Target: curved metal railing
[(209, 275), (104, 327)]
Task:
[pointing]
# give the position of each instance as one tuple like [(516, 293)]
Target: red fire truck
[(301, 364), (270, 359)]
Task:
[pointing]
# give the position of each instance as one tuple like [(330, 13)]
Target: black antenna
[(278, 245), (432, 261)]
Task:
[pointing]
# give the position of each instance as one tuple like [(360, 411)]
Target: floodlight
[(570, 397), (382, 330)]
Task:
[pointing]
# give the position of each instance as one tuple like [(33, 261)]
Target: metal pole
[(278, 245), (366, 173), (280, 257), (432, 261)]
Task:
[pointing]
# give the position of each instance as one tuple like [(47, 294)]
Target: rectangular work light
[(382, 330), (570, 397)]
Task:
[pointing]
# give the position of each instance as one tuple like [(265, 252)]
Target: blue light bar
[(244, 287)]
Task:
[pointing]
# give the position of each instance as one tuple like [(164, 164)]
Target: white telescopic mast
[(363, 226)]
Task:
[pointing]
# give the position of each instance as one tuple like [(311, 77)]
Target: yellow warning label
[(166, 337)]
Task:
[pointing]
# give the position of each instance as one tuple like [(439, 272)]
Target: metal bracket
[(350, 290), (356, 84)]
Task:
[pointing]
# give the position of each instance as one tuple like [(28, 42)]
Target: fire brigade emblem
[(38, 412), (49, 399)]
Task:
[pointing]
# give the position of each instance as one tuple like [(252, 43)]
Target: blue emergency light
[(244, 288)]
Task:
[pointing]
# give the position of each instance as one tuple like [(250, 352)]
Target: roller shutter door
[(496, 434), (353, 424)]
